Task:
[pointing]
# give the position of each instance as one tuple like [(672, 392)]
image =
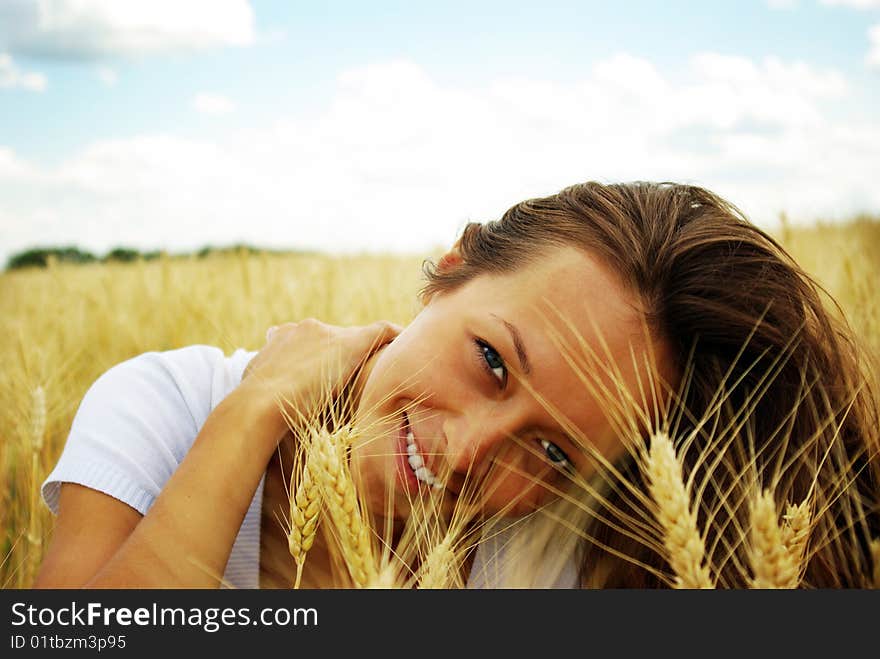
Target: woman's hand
[(305, 364)]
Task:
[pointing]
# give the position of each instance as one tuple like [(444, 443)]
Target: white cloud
[(107, 75), (872, 59), (99, 28), (855, 4), (10, 76), (12, 168), (398, 161), (212, 104), (735, 89)]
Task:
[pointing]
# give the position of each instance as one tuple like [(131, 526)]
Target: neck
[(361, 376)]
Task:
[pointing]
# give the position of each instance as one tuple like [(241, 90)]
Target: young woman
[(547, 343)]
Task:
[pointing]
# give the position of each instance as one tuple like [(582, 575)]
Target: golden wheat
[(38, 419), (327, 452), (772, 562), (305, 509), (387, 578), (796, 530), (685, 548), (38, 432), (875, 560), (439, 566)]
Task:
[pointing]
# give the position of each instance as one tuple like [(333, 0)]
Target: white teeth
[(417, 464)]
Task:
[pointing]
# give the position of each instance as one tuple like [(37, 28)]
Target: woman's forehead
[(567, 288)]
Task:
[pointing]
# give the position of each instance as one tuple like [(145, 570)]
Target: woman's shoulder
[(200, 376), (190, 362), (137, 421)]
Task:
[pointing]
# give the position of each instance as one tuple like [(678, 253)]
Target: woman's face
[(451, 398)]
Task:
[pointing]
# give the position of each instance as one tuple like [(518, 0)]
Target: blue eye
[(556, 455), (492, 361)]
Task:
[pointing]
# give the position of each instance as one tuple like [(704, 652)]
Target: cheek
[(369, 473), (513, 497), (409, 368), (518, 486), (382, 381)]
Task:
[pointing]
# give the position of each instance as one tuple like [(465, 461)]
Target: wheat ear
[(685, 547), (796, 531), (440, 566), (772, 563), (328, 451), (305, 509)]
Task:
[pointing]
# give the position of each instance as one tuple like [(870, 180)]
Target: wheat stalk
[(327, 453), (685, 547), (38, 419), (875, 560), (386, 578), (773, 564), (38, 432), (305, 509)]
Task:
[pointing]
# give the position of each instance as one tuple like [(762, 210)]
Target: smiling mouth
[(416, 462)]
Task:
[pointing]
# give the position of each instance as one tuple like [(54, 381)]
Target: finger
[(387, 329), (270, 332), (383, 332)]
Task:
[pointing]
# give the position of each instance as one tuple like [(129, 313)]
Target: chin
[(372, 485)]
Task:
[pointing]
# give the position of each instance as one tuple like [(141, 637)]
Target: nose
[(475, 437)]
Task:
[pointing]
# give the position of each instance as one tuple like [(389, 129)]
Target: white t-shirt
[(139, 419), (135, 425)]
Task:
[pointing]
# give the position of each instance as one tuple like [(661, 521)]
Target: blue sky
[(387, 125)]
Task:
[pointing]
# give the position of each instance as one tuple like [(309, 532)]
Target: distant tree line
[(38, 257)]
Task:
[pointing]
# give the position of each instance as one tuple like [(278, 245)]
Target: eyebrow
[(518, 344)]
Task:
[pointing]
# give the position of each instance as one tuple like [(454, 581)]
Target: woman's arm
[(79, 549), (186, 537)]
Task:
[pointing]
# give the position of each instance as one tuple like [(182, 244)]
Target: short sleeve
[(136, 423)]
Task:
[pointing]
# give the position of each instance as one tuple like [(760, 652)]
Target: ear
[(451, 259), (446, 263)]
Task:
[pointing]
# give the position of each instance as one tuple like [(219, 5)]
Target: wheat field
[(62, 326)]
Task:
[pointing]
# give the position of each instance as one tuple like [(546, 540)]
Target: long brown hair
[(740, 317)]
